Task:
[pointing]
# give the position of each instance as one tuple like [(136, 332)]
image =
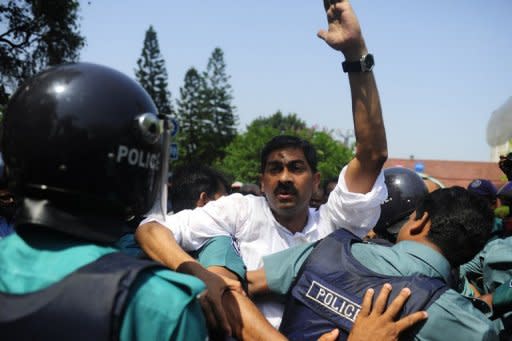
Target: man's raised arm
[(344, 34)]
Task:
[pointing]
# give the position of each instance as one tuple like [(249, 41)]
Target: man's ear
[(420, 225), (203, 199)]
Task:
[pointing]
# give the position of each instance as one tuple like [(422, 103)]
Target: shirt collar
[(310, 227), (428, 255), (311, 224)]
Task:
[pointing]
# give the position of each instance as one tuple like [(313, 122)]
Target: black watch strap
[(365, 64)]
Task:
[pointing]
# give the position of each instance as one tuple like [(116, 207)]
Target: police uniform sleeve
[(497, 263), (163, 305), (281, 268), (468, 275), (453, 317), (502, 296), (474, 266), (221, 251)]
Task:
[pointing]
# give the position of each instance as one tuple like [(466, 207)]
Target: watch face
[(365, 64), (368, 62)]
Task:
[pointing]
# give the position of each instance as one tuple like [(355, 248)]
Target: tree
[(219, 97), (152, 74), (281, 122), (193, 120), (35, 34), (242, 159), (205, 113), (332, 154)]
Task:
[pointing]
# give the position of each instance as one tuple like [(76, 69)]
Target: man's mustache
[(288, 188)]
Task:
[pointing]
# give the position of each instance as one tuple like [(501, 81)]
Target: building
[(453, 173)]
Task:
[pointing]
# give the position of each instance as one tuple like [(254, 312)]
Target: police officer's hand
[(330, 336), (378, 322), (211, 299), (487, 298), (211, 302)]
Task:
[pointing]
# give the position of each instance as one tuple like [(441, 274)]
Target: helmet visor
[(159, 207)]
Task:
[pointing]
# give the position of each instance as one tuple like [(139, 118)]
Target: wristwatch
[(365, 64)]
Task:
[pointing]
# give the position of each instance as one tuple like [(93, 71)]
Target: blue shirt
[(451, 317), (5, 228), (222, 251)]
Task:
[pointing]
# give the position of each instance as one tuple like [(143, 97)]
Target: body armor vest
[(88, 304), (330, 286)]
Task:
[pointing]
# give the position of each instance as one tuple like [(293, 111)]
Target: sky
[(442, 66)]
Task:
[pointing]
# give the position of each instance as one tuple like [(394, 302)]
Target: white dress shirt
[(250, 221)]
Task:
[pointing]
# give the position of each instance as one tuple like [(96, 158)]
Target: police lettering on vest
[(333, 301)]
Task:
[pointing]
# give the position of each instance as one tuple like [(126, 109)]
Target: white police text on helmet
[(137, 157)]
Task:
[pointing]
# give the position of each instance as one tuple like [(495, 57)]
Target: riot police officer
[(405, 189), (84, 146)]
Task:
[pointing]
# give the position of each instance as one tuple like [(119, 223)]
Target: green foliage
[(33, 35), (280, 122), (242, 159), (218, 98), (205, 113), (193, 120), (332, 154), (152, 73)]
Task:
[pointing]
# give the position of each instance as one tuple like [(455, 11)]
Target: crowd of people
[(104, 243)]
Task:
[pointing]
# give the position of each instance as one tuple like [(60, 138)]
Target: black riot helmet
[(86, 139), (3, 175), (405, 189)]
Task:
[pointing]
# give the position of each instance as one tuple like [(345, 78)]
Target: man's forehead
[(287, 155)]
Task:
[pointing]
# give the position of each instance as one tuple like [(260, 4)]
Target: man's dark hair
[(328, 181), (188, 182), (461, 222), (250, 189), (287, 141)]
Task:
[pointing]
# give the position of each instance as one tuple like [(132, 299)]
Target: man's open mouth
[(285, 196)]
